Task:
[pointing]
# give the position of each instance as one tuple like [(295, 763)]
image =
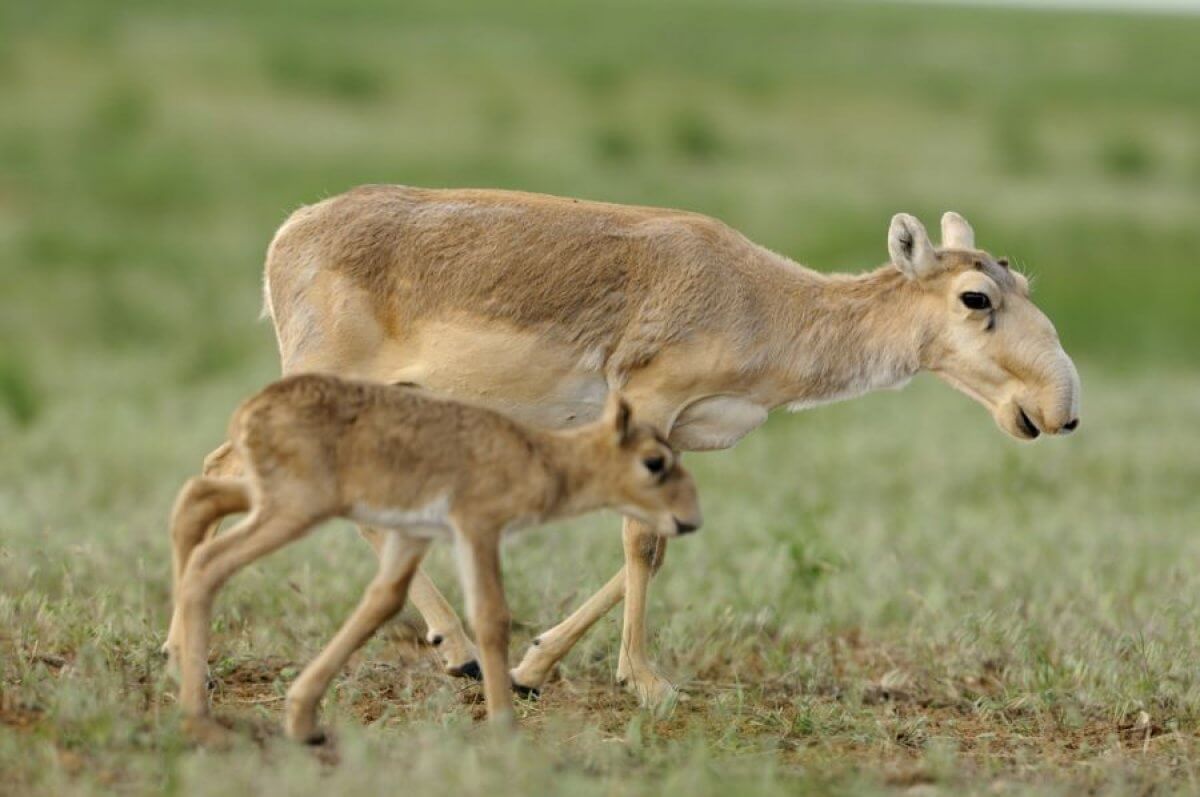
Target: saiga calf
[(417, 467)]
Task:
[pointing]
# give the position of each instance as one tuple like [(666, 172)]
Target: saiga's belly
[(538, 381)]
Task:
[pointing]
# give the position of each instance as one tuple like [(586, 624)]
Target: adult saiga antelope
[(313, 446), (540, 306)]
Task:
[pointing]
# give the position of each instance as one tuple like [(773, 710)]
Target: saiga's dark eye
[(976, 301), (655, 464)]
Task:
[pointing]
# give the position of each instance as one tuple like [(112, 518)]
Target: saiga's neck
[(839, 336)]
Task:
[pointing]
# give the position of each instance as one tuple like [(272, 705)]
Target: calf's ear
[(619, 416)]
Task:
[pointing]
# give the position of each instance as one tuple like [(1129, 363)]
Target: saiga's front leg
[(633, 665), (644, 554)]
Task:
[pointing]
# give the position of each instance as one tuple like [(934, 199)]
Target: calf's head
[(640, 475), (983, 333)]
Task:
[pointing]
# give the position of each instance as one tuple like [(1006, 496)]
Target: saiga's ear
[(956, 233), (910, 248), (619, 417)]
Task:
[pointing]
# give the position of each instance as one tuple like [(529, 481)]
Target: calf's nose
[(1071, 425)]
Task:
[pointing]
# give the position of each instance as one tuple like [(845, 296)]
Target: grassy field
[(888, 595)]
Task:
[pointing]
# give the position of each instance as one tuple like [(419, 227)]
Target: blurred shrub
[(51, 246), (122, 320), (151, 180), (125, 164), (501, 116), (600, 80), (693, 135), (1015, 141), (758, 84), (614, 144), (1126, 156), (947, 92), (19, 398), (213, 355), (314, 71), (123, 111)]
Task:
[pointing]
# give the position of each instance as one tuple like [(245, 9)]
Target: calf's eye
[(655, 464), (976, 301)]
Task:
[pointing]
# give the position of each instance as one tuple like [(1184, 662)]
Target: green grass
[(887, 593)]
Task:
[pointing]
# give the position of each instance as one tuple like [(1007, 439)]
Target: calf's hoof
[(316, 738), (306, 733), (503, 723)]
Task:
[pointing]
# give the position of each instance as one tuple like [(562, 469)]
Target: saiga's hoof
[(469, 670), (526, 692)]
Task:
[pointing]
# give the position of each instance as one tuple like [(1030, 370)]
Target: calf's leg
[(210, 566), (200, 506), (399, 558), (479, 559)]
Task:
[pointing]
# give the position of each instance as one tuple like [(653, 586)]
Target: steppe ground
[(889, 595)]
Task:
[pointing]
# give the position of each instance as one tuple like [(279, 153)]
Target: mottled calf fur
[(415, 467)]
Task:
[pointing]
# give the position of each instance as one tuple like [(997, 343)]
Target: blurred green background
[(148, 151)]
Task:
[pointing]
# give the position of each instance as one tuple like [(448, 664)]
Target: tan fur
[(540, 306), (314, 447)]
